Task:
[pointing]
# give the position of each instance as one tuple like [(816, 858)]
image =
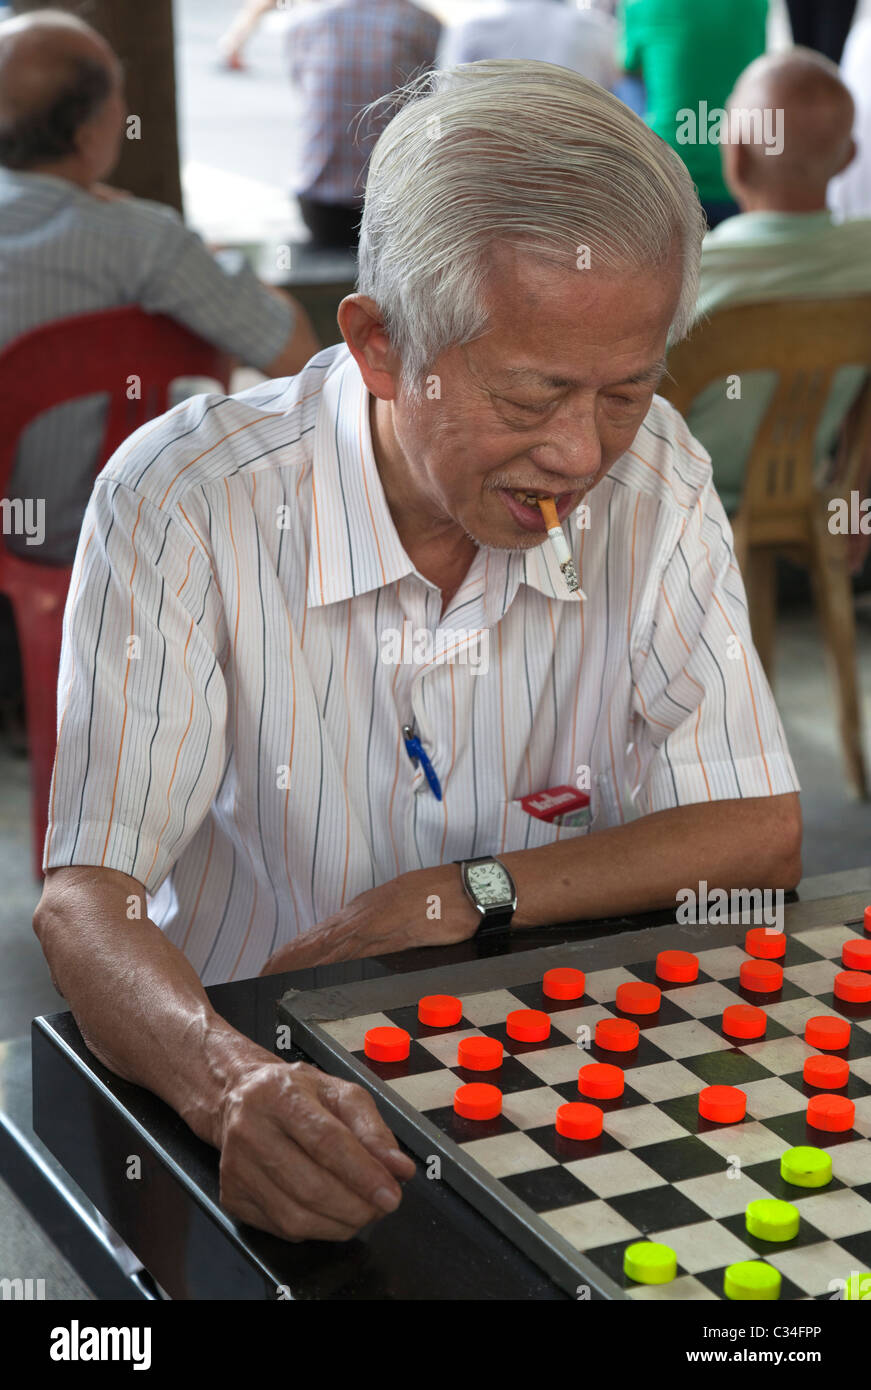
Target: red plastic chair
[(58, 362)]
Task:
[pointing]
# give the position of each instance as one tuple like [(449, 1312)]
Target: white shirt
[(246, 762), (849, 194), (542, 30)]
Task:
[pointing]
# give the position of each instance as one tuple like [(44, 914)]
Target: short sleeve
[(230, 309), (704, 723), (142, 701)]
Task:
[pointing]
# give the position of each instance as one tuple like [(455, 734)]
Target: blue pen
[(414, 749)]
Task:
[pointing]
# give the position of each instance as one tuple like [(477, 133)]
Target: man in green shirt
[(782, 245), (689, 54)]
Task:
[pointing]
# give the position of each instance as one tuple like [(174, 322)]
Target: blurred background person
[(821, 24), (71, 245), (341, 55), (547, 30), (783, 244), (688, 54), (233, 40)]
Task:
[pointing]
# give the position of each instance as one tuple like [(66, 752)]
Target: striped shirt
[(234, 680), (342, 54), (64, 252)]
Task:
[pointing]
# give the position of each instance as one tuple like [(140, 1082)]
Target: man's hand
[(426, 907), (306, 1156)]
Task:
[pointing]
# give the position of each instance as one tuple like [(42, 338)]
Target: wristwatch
[(490, 887)]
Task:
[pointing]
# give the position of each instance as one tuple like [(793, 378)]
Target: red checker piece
[(761, 976), (563, 983), (387, 1044), (638, 998), (577, 1120), (478, 1101), (853, 986), (856, 954), (744, 1021), (831, 1113), (826, 1072), (866, 919), (827, 1031), (479, 1054), (765, 945), (439, 1010), (528, 1025), (678, 967), (725, 1104), (601, 1081), (617, 1034)]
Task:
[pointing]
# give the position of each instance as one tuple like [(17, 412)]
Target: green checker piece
[(751, 1280), (806, 1167), (648, 1262), (770, 1219), (858, 1287)]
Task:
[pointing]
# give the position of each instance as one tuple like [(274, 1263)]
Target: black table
[(435, 1246)]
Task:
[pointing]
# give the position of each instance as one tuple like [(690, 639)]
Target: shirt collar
[(353, 544)]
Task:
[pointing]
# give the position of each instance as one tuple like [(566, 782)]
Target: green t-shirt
[(689, 52)]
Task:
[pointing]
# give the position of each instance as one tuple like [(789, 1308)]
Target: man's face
[(547, 400)]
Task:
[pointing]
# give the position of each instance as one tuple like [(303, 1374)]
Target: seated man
[(783, 244), (249, 804), (70, 245)]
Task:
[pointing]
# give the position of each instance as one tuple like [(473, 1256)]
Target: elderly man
[(783, 244), (250, 804), (70, 245)]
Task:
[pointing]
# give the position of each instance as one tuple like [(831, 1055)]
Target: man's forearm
[(138, 1001), (752, 843)]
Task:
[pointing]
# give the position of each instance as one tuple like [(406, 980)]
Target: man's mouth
[(522, 503)]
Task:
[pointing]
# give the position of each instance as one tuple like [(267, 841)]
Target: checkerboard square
[(817, 977), (720, 1194), (771, 1096), (861, 1067), (807, 1235), (708, 1000), (529, 1109), (721, 962), (704, 1245), (681, 1158), (444, 1046), (794, 1013), (547, 1189), (730, 1066), (750, 1142), (862, 1122), (767, 1175), (590, 1223), (555, 1064), (836, 1214), (665, 1082), (643, 1124), (602, 984), (508, 1153), (779, 1055), (654, 1207), (818, 1274), (428, 1090), (615, 1173), (570, 1151), (680, 1040), (350, 1032), (826, 940), (493, 1006), (795, 1129), (511, 1076), (587, 1016), (852, 1162)]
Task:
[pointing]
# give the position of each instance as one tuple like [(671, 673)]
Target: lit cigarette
[(547, 507)]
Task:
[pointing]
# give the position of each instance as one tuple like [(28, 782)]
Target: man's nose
[(572, 449)]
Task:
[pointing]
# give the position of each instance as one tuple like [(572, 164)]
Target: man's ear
[(363, 330), (848, 157)]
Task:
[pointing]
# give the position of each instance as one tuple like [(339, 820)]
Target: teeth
[(530, 498)]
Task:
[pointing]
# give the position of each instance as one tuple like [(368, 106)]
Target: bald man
[(782, 245), (70, 245)]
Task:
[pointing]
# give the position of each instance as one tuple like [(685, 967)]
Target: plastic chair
[(61, 361), (782, 511)]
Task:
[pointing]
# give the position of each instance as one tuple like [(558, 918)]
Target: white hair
[(515, 153)]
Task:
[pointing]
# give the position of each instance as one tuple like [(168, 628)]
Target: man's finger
[(276, 1172), (333, 1146), (359, 1112)]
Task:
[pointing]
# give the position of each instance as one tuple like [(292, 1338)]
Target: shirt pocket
[(517, 829)]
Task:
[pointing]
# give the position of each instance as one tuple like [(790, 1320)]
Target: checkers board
[(658, 1171)]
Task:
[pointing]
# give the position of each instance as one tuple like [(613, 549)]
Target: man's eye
[(524, 405), (623, 400)]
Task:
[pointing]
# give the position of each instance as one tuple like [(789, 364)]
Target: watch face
[(490, 884)]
